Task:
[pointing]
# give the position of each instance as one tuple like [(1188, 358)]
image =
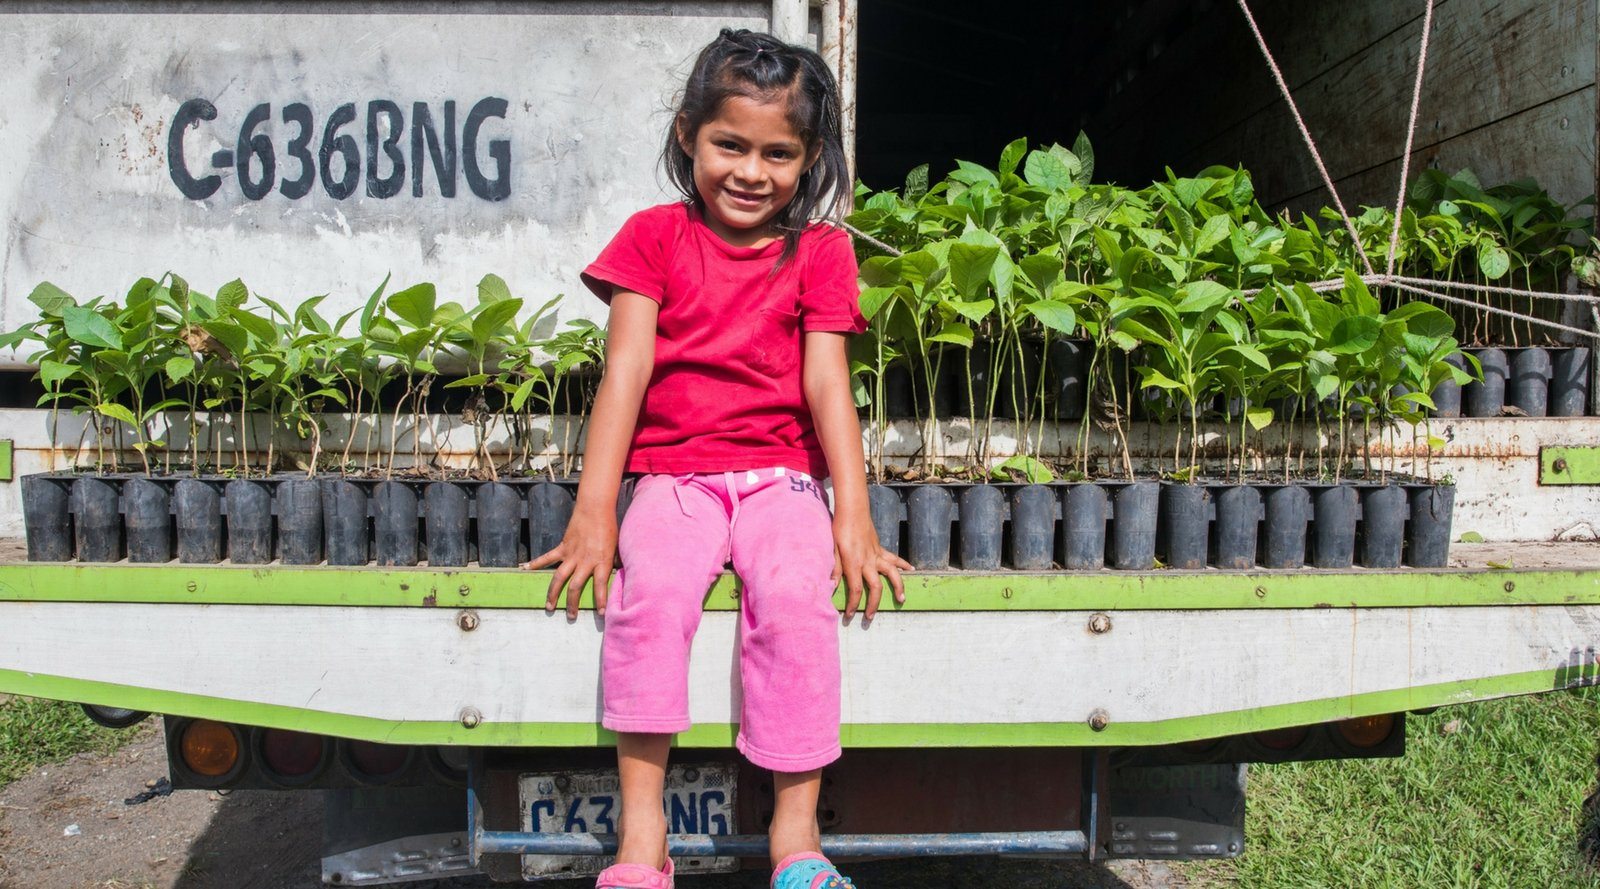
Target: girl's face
[(747, 165)]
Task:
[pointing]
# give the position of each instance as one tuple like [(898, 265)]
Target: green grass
[(34, 732), (1487, 795)]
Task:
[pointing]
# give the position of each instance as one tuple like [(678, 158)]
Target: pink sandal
[(635, 876)]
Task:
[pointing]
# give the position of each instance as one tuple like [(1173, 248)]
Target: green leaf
[(1012, 154), (414, 304), (1214, 232), (1493, 261), (371, 307), (954, 332), (1031, 468), (261, 328), (230, 295), (468, 382), (51, 300), (520, 397), (1084, 151), (492, 288), (1202, 295), (917, 182), (873, 300), (1259, 418), (1471, 537), (1047, 171), (1424, 320), (1054, 315), (1354, 334), (969, 267), (179, 367), (53, 372), (974, 311), (492, 317), (117, 412), (229, 334), (85, 325)]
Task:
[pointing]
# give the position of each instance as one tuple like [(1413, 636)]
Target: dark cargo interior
[(1509, 91)]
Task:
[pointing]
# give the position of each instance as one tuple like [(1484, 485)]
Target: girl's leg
[(794, 818), (642, 829)]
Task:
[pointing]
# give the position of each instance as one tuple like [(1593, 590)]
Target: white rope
[(1305, 134), (1396, 280), (870, 239), (1411, 131), (1497, 311)]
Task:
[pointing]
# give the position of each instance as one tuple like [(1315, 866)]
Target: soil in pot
[(500, 525), (147, 515), (1034, 509), (249, 512), (299, 510), (446, 524), (197, 504), (930, 513), (1085, 509), (1336, 511), (1184, 530), (97, 519), (1235, 531), (1134, 510), (981, 519)]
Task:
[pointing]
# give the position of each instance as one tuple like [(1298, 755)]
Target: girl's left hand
[(860, 559)]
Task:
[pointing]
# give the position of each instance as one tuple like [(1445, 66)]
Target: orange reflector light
[(209, 748), (1283, 738), (1367, 731), (291, 754)]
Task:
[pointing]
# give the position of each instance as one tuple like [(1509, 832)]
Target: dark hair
[(763, 68)]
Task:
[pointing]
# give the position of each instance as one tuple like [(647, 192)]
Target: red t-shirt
[(726, 392)]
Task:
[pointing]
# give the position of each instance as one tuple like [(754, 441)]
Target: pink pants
[(674, 541)]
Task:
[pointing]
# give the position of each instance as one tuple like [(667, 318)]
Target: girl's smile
[(747, 166)]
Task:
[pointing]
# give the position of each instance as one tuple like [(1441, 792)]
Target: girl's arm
[(858, 557), (589, 547)]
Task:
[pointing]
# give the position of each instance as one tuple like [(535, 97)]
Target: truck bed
[(467, 656)]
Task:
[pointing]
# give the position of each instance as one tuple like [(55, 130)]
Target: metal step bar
[(838, 845), (1062, 843)]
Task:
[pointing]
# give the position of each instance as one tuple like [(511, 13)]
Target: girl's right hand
[(587, 551)]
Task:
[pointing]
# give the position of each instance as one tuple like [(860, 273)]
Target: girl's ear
[(685, 143)]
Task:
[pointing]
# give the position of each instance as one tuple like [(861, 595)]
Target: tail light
[(209, 749), (377, 762), (292, 755), (1366, 731), (1283, 738)]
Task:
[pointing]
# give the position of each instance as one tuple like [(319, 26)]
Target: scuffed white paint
[(88, 202)]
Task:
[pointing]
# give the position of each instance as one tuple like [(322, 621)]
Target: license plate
[(699, 800)]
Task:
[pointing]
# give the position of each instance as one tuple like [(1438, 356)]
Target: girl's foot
[(808, 870), (635, 876)]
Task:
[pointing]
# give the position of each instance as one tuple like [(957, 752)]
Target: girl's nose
[(750, 169)]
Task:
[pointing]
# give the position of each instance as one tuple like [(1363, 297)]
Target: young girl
[(727, 389)]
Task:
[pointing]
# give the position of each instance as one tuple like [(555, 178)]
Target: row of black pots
[(1537, 381), (1130, 525), (294, 519), (1076, 526)]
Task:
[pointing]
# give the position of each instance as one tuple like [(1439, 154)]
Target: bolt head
[(470, 717), (467, 621), (1099, 719), (1100, 624)]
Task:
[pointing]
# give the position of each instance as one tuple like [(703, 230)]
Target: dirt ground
[(265, 840)]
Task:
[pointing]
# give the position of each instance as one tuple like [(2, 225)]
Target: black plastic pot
[(1529, 387), (446, 511), (1569, 381), (300, 532), (1447, 395), (249, 513), (346, 523), (1135, 506), (1034, 509), (1286, 519), (1485, 397), (197, 509), (1381, 538), (1069, 377), (394, 523), (1428, 531), (1237, 526), (1085, 509), (47, 518), (97, 520), (549, 509), (501, 511), (1185, 525), (981, 512), (930, 511), (147, 515), (888, 515), (1336, 511)]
